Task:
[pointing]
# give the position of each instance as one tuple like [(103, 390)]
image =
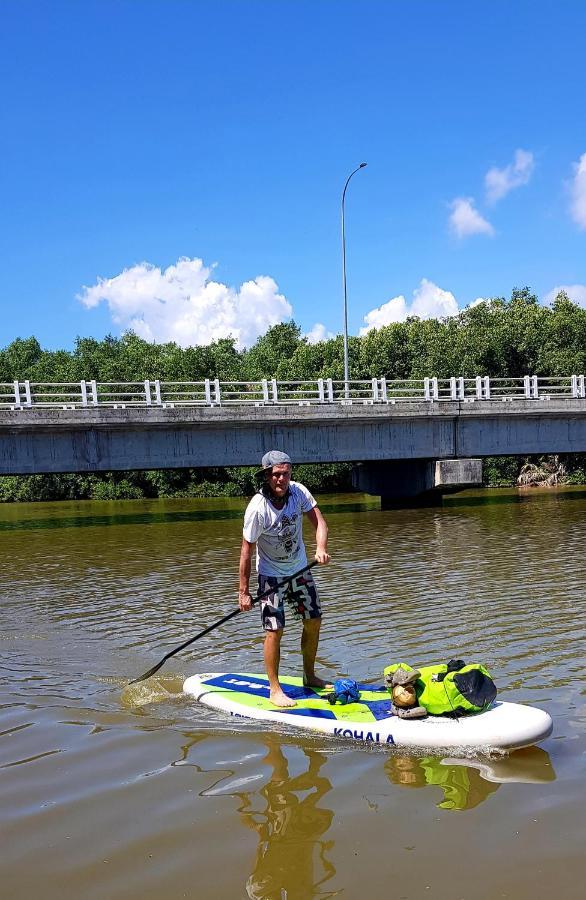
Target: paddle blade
[(148, 674)]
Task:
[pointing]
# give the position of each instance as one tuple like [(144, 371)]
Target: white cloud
[(182, 304), (319, 333), (477, 302), (576, 292), (394, 310), (498, 182), (465, 220), (578, 193), (429, 302)]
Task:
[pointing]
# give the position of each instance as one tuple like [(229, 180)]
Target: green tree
[(18, 359), (269, 356), (563, 350)]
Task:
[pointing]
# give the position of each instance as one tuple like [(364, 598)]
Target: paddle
[(220, 622)]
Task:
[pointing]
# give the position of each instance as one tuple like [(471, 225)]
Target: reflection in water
[(291, 855), (463, 787), (86, 516), (467, 783), (532, 765), (287, 813)]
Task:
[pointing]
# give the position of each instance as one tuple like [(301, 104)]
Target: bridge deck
[(101, 438)]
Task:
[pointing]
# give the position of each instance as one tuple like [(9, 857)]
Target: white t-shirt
[(278, 532)]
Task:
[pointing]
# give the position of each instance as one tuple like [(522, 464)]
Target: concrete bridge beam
[(416, 481), (95, 439)]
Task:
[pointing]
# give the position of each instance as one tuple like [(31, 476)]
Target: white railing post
[(27, 393), (527, 386), (275, 390), (534, 387), (265, 390), (330, 387), (461, 387), (478, 381), (17, 394), (486, 380), (217, 397), (453, 389), (158, 399), (574, 386), (426, 389), (581, 386), (434, 389), (207, 391), (383, 390), (83, 389), (94, 391), (147, 392), (320, 390), (375, 389)]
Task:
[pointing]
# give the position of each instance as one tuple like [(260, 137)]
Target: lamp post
[(346, 373)]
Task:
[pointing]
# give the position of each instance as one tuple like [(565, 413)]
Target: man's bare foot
[(279, 698), (316, 682)]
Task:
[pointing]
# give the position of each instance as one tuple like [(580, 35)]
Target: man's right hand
[(244, 601)]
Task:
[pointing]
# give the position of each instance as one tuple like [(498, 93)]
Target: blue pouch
[(345, 691)]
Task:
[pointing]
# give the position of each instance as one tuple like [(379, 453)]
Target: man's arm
[(244, 596), (321, 535)]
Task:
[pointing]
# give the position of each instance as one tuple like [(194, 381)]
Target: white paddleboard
[(504, 726)]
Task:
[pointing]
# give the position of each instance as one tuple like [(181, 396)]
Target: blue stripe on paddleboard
[(305, 711), (381, 709), (257, 687), (241, 684)]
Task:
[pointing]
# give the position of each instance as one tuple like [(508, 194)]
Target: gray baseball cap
[(273, 458)]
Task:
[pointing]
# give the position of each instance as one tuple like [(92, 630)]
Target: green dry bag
[(452, 689)]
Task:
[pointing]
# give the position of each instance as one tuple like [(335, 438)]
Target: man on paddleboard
[(273, 522)]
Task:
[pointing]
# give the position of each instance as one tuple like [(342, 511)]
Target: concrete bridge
[(407, 447)]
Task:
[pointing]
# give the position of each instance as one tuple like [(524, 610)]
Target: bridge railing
[(396, 389), (116, 394), (266, 392), (247, 392), (567, 386), (177, 393), (365, 391)]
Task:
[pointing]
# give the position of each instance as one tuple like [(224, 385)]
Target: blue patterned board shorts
[(300, 594)]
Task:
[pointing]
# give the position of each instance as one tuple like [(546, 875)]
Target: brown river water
[(109, 792)]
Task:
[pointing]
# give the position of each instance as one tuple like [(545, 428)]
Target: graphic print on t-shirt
[(286, 535), (278, 533)]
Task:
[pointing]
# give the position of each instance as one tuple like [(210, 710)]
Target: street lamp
[(346, 375)]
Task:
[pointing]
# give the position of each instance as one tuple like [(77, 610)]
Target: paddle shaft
[(217, 624)]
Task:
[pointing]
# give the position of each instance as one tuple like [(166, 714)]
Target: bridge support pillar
[(416, 482)]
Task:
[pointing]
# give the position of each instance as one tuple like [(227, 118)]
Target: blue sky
[(140, 132)]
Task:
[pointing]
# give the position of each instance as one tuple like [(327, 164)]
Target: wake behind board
[(504, 726)]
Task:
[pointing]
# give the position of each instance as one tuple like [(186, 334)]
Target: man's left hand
[(322, 557)]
